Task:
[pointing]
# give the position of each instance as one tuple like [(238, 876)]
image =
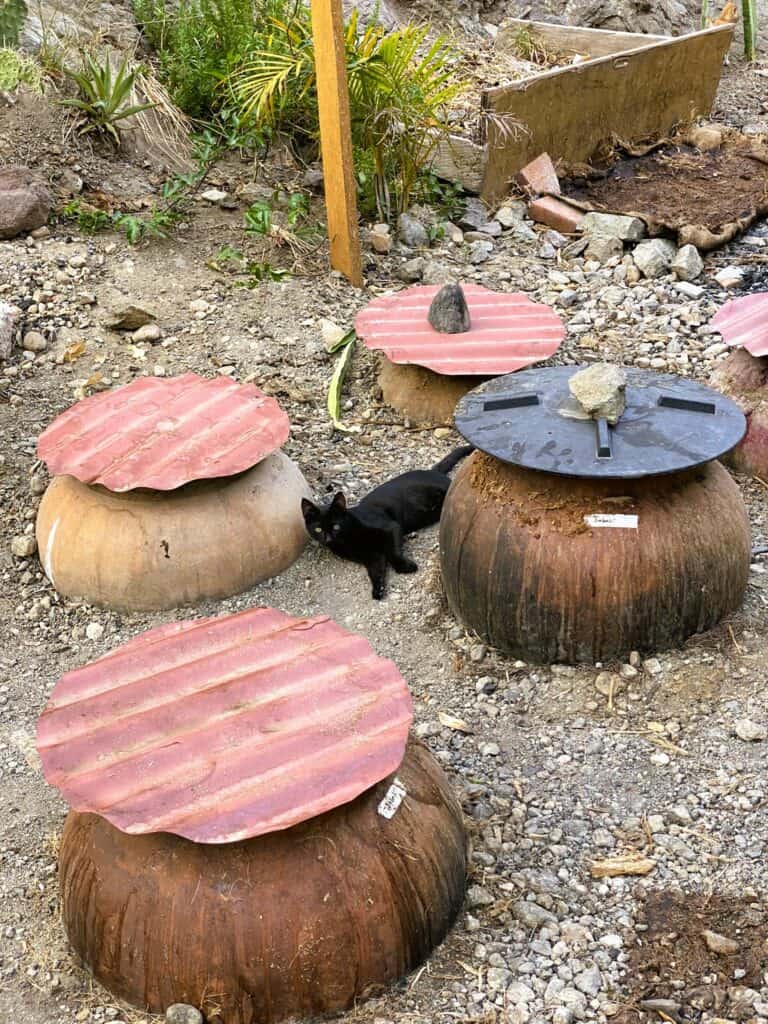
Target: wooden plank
[(336, 139), (570, 112), (592, 42)]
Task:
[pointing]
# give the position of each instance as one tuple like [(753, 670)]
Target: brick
[(556, 213), (539, 176)]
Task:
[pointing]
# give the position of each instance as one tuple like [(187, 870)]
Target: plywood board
[(569, 112), (592, 42)]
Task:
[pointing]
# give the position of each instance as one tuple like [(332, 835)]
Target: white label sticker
[(617, 521), (392, 799)]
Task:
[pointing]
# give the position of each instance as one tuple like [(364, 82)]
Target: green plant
[(89, 219), (729, 14), (258, 218), (446, 197), (18, 69), (399, 88), (104, 95), (749, 15), (174, 196), (13, 14), (347, 346), (259, 272), (200, 42)]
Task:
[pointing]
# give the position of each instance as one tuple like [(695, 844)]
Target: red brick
[(556, 213), (539, 176)]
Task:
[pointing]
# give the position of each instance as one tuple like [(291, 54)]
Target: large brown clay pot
[(300, 922), (522, 568), (744, 378), (425, 397), (147, 550)]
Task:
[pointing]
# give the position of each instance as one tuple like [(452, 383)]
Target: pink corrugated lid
[(507, 331), (744, 322), (225, 728), (163, 432)]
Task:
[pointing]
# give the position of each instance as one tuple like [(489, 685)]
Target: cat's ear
[(339, 501), (307, 507)]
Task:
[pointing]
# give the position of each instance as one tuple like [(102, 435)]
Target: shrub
[(399, 87), (199, 42)]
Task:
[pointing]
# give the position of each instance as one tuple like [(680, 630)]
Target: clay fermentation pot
[(425, 397), (521, 567), (300, 922), (744, 378), (147, 550)]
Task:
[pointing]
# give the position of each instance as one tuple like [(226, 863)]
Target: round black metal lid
[(669, 424)]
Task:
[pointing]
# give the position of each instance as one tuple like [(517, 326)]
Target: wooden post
[(336, 138)]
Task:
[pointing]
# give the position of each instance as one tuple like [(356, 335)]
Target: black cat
[(372, 531)]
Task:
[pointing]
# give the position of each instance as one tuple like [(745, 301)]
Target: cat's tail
[(446, 465)]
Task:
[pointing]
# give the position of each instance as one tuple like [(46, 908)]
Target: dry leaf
[(612, 867), (74, 351), (451, 722)]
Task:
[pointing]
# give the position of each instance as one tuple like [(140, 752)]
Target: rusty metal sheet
[(225, 728), (743, 323), (162, 432), (508, 331)]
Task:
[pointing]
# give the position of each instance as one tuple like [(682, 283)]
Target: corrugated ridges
[(163, 432), (508, 331), (743, 323), (225, 728)]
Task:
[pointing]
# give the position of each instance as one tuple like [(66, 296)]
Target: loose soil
[(669, 956), (676, 187)]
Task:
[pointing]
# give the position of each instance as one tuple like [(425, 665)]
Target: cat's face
[(325, 525)]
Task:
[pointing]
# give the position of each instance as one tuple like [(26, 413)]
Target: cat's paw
[(405, 565), (378, 591)]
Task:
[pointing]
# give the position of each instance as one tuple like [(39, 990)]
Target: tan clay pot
[(292, 924), (522, 568), (148, 550), (425, 397)]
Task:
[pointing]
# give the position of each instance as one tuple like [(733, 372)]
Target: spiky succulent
[(13, 14)]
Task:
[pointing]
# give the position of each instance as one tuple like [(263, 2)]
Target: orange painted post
[(336, 138)]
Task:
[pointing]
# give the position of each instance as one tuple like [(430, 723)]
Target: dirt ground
[(564, 751)]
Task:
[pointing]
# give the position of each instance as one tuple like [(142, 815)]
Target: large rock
[(599, 390), (7, 329), (25, 202), (654, 257), (412, 232), (664, 17), (448, 312), (688, 264), (613, 225), (73, 23)]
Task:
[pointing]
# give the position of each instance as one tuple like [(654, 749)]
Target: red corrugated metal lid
[(225, 728), (162, 432), (508, 331), (744, 322)]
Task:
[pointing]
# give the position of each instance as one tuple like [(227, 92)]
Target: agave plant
[(104, 94), (399, 90)]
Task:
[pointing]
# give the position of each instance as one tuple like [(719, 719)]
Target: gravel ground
[(558, 766)]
